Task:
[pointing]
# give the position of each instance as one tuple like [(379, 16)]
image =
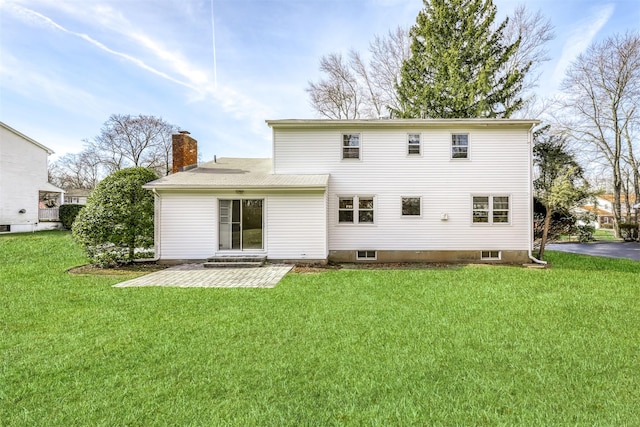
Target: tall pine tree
[(457, 64)]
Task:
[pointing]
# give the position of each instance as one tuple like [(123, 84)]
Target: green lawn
[(455, 346)]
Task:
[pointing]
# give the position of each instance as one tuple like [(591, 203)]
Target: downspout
[(156, 225), (530, 246)]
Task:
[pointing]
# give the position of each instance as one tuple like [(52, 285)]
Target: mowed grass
[(471, 345)]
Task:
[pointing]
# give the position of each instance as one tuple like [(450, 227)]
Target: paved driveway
[(629, 250), (196, 276)]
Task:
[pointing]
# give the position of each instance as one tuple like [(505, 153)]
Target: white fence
[(49, 214)]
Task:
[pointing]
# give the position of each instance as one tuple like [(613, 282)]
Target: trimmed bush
[(629, 231), (118, 218), (68, 214)]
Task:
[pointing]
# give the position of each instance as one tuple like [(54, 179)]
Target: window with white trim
[(345, 210), (362, 255), (490, 255), (356, 210), (490, 209), (459, 146), (413, 144), (350, 145), (411, 206)]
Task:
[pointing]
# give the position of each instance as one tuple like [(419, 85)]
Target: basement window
[(490, 255), (366, 255), (5, 228)]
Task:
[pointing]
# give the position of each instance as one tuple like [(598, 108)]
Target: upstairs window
[(490, 209), (351, 146), (460, 146), (413, 144)]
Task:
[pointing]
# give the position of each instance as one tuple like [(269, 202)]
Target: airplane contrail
[(215, 62)]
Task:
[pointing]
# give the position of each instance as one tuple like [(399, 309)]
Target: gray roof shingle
[(237, 173)]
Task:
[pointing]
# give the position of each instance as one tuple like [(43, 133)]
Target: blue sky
[(67, 65)]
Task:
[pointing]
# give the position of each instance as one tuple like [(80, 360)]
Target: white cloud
[(174, 67), (580, 39), (27, 80)]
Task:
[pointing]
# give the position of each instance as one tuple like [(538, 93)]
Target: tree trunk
[(545, 233)]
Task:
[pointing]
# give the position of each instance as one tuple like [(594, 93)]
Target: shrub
[(68, 214), (118, 218), (629, 231)]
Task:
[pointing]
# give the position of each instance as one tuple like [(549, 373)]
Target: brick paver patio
[(196, 276)]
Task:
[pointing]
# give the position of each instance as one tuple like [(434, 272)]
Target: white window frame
[(453, 135), (419, 206), (343, 147), (366, 255), (488, 255), (411, 145), (356, 209), (352, 210), (490, 209)]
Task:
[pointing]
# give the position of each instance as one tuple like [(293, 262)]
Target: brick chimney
[(185, 152)]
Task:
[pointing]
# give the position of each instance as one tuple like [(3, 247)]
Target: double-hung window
[(490, 209), (356, 210), (413, 144), (459, 146), (350, 145)]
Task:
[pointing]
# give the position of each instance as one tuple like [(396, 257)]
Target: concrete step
[(233, 264), (238, 258)]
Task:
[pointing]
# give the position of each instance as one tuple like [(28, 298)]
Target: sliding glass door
[(240, 224)]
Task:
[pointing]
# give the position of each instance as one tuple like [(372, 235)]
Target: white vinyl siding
[(23, 172), (297, 226), (499, 166), (188, 225)]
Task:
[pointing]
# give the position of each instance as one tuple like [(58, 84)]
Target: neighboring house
[(604, 208), (76, 196), (356, 190), (28, 202)]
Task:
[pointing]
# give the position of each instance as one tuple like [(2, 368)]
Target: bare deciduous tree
[(129, 141), (601, 105), (81, 170), (339, 95), (353, 88), (124, 141), (534, 31)]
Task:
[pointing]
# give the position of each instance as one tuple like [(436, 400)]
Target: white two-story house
[(356, 190), (28, 202)]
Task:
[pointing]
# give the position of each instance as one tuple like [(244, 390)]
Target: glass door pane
[(240, 225), (229, 228), (252, 224)]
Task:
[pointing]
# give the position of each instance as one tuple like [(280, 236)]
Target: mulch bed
[(138, 267)]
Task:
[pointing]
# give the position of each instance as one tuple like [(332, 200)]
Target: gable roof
[(623, 198), (25, 137), (237, 173)]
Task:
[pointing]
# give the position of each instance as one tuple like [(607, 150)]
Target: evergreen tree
[(560, 184), (118, 218), (457, 67)]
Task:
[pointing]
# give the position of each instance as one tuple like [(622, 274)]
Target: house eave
[(26, 138), (399, 123), (247, 188)]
